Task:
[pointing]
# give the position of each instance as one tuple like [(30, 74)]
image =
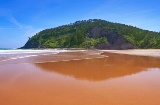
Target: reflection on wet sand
[(71, 82), (98, 69)]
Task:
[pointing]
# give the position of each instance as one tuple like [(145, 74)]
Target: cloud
[(31, 31), (26, 30), (15, 22)]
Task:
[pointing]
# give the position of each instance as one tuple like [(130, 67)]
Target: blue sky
[(20, 19)]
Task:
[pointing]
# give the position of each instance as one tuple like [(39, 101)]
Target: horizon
[(18, 22)]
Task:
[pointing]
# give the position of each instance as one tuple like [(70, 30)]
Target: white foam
[(19, 51), (71, 60), (19, 54)]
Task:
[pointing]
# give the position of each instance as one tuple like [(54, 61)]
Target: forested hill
[(95, 33)]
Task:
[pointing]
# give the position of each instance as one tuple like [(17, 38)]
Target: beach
[(138, 52), (82, 77)]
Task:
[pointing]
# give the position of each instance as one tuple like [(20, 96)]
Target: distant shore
[(138, 52)]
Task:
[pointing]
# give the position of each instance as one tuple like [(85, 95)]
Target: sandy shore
[(62, 56), (82, 54), (138, 52), (82, 77)]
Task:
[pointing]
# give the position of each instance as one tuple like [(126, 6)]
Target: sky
[(20, 19)]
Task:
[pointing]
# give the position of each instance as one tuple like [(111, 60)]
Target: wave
[(6, 55), (19, 51)]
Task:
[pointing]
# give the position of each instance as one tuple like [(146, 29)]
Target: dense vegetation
[(79, 34)]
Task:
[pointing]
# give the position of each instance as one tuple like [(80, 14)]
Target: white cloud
[(28, 30), (15, 22), (31, 31)]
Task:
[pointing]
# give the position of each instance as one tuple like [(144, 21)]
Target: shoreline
[(137, 52), (127, 51), (69, 55)]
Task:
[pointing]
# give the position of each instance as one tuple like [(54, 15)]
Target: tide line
[(72, 60)]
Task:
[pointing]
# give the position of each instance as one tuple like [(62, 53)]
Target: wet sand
[(63, 56), (81, 78), (138, 52)]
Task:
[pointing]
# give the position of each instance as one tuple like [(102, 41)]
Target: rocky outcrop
[(116, 41)]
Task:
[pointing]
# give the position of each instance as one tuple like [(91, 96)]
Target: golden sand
[(138, 52)]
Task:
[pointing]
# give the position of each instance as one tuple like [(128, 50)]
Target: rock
[(116, 41)]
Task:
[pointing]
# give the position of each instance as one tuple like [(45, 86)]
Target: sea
[(11, 53)]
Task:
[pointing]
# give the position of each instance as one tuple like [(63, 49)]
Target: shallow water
[(10, 54), (114, 80)]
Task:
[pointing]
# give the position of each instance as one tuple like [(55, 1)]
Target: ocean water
[(10, 54), (7, 48)]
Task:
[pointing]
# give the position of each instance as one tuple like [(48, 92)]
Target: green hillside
[(95, 33)]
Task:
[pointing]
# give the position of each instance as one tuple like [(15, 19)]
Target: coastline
[(137, 52), (66, 55), (75, 54)]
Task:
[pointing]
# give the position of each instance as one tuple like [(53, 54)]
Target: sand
[(138, 52), (81, 54), (62, 56), (91, 77)]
